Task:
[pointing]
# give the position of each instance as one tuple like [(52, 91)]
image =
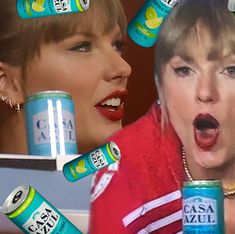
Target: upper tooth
[(112, 102)]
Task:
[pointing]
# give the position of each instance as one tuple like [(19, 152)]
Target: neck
[(13, 135), (229, 214)]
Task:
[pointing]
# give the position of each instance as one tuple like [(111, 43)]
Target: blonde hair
[(20, 39), (182, 24)]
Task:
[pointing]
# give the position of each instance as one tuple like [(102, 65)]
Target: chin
[(109, 131), (212, 159)]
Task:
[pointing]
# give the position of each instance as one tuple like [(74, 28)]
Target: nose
[(117, 68), (207, 91)]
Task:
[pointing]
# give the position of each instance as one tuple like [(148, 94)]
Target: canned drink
[(39, 8), (91, 162), (33, 214), (145, 25), (203, 207), (231, 5), (50, 124)]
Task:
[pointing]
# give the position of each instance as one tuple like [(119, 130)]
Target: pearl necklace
[(227, 192)]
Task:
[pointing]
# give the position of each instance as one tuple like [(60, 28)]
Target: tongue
[(206, 138)]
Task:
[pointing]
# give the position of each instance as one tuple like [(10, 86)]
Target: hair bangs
[(102, 15), (186, 22)]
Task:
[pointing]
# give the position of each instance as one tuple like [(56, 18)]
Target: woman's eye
[(119, 46), (183, 71), (230, 71), (82, 47)]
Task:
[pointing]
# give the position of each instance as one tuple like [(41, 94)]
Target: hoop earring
[(17, 108)]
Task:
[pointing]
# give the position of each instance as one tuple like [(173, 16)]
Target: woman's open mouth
[(206, 131), (111, 107)]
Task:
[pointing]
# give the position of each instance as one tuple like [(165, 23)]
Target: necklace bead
[(227, 192)]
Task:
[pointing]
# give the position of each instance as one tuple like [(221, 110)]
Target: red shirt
[(143, 193)]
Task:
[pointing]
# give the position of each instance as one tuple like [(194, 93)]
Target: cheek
[(180, 106), (229, 102), (227, 112), (176, 98)]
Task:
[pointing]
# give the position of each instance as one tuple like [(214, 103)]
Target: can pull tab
[(17, 196), (115, 151)]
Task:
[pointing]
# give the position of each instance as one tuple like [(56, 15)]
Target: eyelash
[(82, 47), (186, 71), (230, 71), (86, 46), (183, 71), (119, 44)]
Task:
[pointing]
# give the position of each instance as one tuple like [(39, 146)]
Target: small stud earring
[(17, 107)]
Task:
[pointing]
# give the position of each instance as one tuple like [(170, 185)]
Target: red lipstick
[(206, 131), (111, 107)]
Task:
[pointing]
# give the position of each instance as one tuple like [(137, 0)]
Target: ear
[(10, 83), (162, 102)]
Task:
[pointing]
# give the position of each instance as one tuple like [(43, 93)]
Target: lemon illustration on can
[(37, 5), (152, 21), (80, 168), (151, 13)]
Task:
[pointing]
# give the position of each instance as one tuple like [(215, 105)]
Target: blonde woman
[(190, 137), (79, 53)]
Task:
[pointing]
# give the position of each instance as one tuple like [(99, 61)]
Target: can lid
[(231, 5), (202, 183), (15, 199), (85, 4), (48, 93), (171, 4), (114, 149)]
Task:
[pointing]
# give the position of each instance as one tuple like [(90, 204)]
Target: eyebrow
[(83, 32), (216, 54), (90, 34), (186, 57), (183, 53)]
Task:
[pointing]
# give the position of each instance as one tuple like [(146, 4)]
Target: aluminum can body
[(231, 5), (39, 8), (33, 214), (50, 124), (143, 29), (91, 162), (203, 207)]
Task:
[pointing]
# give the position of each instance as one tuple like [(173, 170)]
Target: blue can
[(144, 27), (39, 8), (32, 213), (91, 162), (203, 207), (50, 124)]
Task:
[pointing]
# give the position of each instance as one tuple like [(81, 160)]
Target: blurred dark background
[(141, 87)]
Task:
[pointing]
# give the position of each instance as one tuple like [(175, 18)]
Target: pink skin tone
[(200, 85), (88, 65)]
